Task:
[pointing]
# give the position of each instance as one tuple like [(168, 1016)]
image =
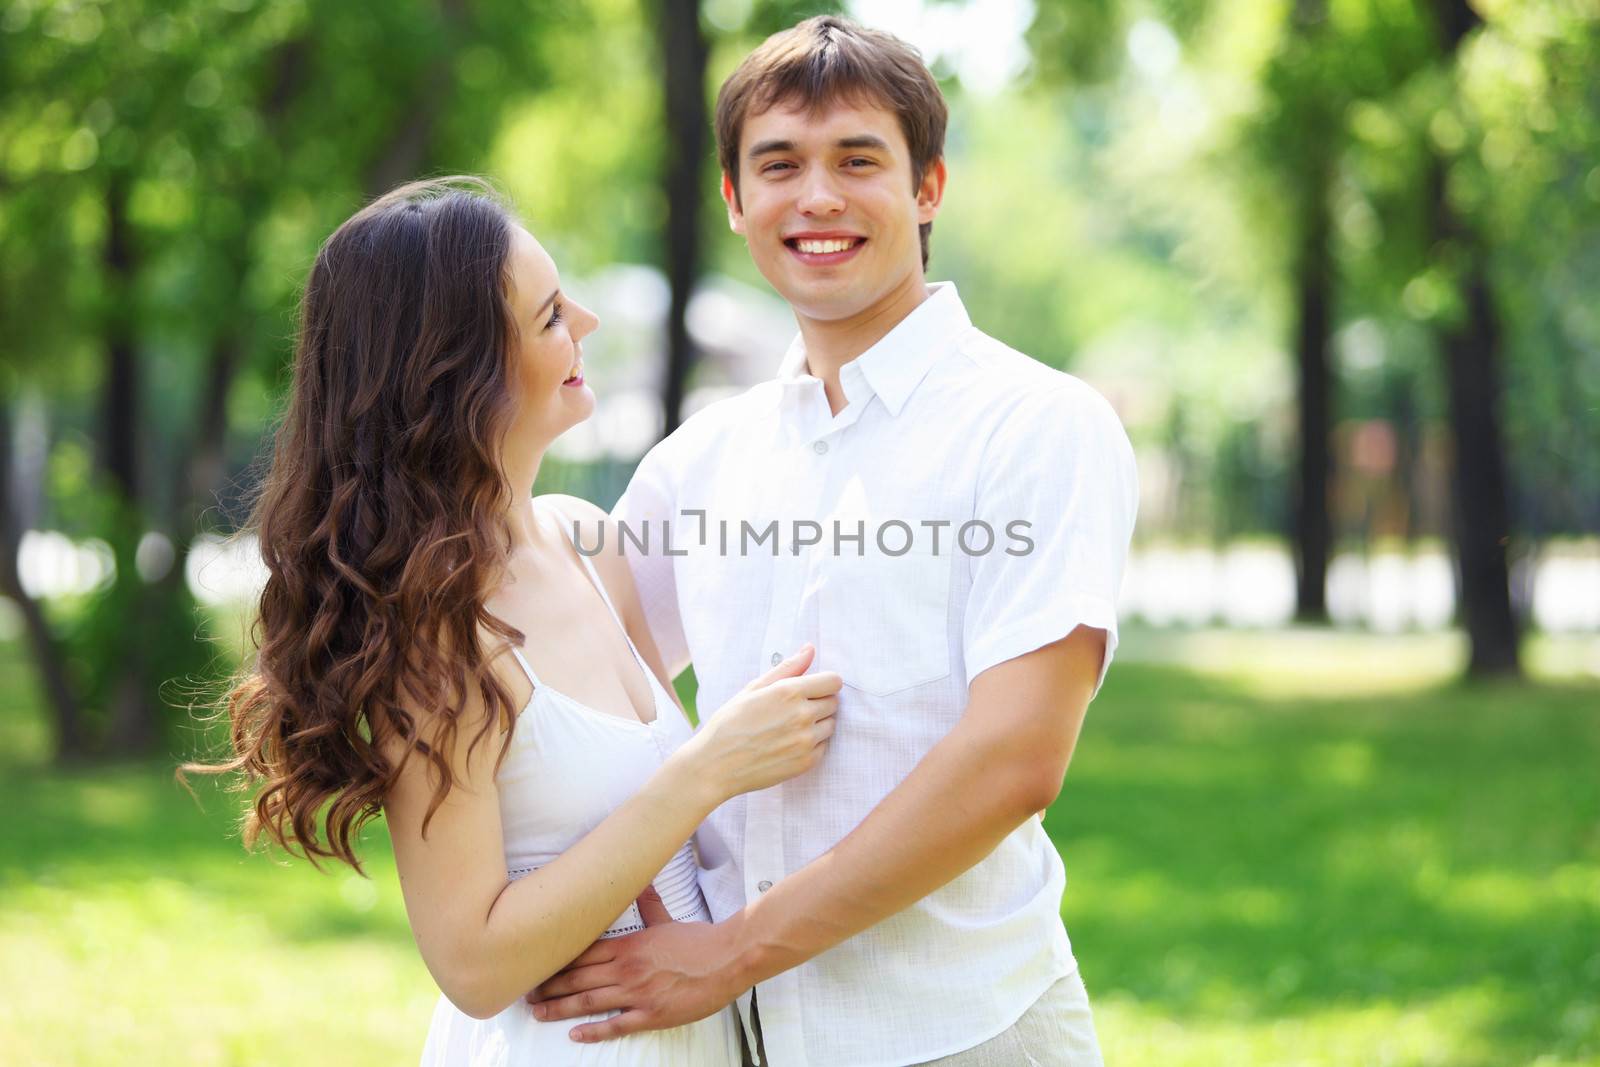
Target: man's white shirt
[(753, 510)]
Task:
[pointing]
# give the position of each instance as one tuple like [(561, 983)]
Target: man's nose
[(820, 196)]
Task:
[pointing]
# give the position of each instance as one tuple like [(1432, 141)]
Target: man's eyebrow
[(860, 140), (761, 148), (863, 140)]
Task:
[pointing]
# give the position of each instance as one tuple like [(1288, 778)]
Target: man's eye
[(770, 167), (859, 162)]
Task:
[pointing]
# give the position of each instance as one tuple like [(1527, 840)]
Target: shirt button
[(777, 658), (762, 887), (820, 448)]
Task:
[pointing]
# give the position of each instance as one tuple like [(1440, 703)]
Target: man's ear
[(930, 194), (731, 198)]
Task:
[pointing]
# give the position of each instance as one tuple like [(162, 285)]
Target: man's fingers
[(651, 911), (629, 1022), (598, 953), (573, 980), (602, 951), (588, 1002)]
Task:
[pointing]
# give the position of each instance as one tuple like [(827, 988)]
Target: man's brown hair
[(825, 60)]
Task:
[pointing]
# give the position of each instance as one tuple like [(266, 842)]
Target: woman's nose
[(588, 321)]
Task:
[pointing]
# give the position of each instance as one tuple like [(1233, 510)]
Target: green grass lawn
[(1281, 849)]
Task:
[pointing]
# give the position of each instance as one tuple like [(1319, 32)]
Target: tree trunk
[(198, 478), (1314, 383), (47, 654), (1408, 455), (1480, 486), (202, 471), (119, 403), (130, 712), (1470, 349), (684, 70)]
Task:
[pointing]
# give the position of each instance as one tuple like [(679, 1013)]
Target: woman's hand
[(774, 729)]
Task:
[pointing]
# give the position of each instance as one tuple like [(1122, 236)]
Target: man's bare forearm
[(943, 819), (997, 768)]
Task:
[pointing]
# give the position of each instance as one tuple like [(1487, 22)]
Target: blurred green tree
[(685, 53), (1471, 341), (169, 167), (1428, 171)]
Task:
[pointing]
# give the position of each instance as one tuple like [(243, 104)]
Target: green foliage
[(553, 149), (1129, 212), (231, 138), (1214, 151)]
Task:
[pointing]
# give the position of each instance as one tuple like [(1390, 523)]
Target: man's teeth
[(824, 247)]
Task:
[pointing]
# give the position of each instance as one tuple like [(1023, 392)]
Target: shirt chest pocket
[(884, 620)]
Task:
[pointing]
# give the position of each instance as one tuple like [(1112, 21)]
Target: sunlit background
[(1334, 262)]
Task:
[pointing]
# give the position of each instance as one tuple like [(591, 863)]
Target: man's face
[(827, 206)]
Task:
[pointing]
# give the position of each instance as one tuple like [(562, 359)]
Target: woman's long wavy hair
[(381, 520)]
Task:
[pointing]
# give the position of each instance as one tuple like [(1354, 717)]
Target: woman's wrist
[(691, 776)]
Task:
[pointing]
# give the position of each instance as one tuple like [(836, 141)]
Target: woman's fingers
[(821, 684), (823, 707), (794, 665)]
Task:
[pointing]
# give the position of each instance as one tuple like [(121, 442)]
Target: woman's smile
[(576, 377)]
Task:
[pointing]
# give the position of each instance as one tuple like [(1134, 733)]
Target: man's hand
[(666, 975)]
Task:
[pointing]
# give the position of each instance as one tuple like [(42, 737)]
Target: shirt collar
[(894, 367)]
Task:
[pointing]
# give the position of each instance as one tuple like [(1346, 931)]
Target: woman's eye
[(555, 317)]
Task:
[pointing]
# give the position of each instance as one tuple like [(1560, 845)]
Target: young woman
[(433, 646)]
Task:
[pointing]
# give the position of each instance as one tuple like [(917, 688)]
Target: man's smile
[(823, 249)]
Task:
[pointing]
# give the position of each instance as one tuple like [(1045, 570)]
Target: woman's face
[(547, 354)]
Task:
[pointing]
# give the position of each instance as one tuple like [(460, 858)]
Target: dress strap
[(534, 678), (662, 701), (594, 576)]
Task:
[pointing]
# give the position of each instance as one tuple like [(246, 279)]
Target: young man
[(946, 520)]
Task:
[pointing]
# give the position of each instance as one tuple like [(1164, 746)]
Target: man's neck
[(831, 343)]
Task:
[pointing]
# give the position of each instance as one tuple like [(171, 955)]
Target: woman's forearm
[(540, 922), (488, 942)]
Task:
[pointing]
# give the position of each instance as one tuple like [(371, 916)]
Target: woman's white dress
[(568, 767)]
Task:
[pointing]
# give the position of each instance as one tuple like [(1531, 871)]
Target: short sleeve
[(650, 500), (1060, 490)]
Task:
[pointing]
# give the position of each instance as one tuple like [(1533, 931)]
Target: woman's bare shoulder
[(574, 507), (597, 533), (594, 531)]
